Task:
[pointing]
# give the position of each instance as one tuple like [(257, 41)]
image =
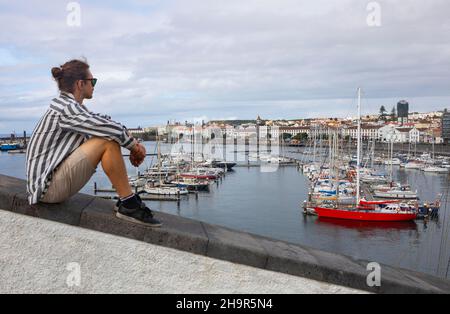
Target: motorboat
[(214, 163), (200, 174), (435, 169), (10, 146), (393, 161), (414, 165), (396, 193), (191, 184), (165, 190)]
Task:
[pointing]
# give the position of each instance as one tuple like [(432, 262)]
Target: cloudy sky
[(216, 59)]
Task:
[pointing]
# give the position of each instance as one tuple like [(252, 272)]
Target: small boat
[(11, 146), (214, 171), (413, 165), (165, 190), (272, 159), (137, 182), (200, 174), (426, 211), (435, 169), (393, 161), (396, 194), (394, 191), (223, 164), (373, 179), (191, 184)]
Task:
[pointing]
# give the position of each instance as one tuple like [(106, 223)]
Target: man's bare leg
[(109, 154)]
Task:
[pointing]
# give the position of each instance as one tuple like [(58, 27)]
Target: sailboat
[(381, 211), (191, 184), (435, 169), (165, 190)]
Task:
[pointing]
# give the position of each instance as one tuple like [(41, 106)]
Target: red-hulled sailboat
[(368, 210), (378, 214)]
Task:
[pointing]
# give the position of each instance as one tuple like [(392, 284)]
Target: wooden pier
[(145, 197)]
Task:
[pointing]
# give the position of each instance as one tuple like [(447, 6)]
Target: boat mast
[(315, 144), (391, 168), (373, 154), (433, 150), (159, 160), (358, 156)]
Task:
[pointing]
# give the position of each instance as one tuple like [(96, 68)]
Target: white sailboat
[(414, 165), (165, 190), (393, 161), (435, 169)]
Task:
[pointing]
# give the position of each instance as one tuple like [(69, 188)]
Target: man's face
[(88, 89)]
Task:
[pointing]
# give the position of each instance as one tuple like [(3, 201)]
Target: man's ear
[(79, 84)]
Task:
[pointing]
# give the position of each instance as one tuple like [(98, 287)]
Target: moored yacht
[(435, 169)]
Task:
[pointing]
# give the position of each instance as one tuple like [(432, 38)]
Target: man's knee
[(96, 147), (101, 143)]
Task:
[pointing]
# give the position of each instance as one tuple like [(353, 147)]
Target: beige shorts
[(69, 177)]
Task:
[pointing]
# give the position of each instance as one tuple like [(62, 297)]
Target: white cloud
[(165, 60)]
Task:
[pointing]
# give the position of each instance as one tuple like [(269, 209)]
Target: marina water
[(269, 204)]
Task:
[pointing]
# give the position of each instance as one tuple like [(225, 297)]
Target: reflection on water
[(367, 226), (269, 204)]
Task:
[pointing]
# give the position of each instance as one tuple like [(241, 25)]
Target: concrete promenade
[(42, 256)]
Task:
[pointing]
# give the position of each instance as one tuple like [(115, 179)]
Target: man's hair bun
[(57, 73), (67, 74)]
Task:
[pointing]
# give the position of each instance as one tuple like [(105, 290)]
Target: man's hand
[(137, 154)]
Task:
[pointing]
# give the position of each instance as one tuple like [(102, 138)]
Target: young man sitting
[(70, 141)]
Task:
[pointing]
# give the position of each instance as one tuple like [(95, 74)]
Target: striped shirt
[(63, 128)]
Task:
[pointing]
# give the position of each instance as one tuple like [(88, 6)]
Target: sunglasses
[(93, 81)]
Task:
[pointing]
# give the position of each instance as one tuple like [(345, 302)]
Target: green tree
[(301, 137), (393, 114), (286, 136)]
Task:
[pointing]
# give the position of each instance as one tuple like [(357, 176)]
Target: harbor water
[(269, 203)]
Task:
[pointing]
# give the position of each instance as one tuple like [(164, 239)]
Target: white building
[(295, 130), (389, 133), (414, 135), (403, 136), (368, 132)]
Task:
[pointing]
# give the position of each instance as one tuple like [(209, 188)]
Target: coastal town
[(399, 126)]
